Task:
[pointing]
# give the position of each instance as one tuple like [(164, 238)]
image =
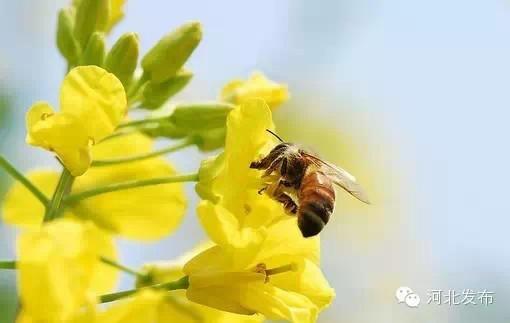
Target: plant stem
[(122, 267), (129, 185), (63, 188), (182, 283), (107, 162), (8, 264), (140, 122), (9, 168)]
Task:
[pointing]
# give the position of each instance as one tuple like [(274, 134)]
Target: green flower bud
[(168, 56), (156, 94), (201, 116), (95, 51), (123, 57), (210, 139), (209, 170), (66, 43), (166, 129), (91, 16)]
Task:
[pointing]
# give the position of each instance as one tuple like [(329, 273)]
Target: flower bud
[(66, 42), (167, 57), (210, 169), (166, 129), (156, 94), (210, 139), (201, 116), (95, 51), (123, 57), (91, 16)]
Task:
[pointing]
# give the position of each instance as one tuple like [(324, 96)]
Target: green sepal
[(168, 56), (123, 57)]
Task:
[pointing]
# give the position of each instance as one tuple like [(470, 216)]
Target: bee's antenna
[(278, 137)]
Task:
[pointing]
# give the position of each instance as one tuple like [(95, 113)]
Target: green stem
[(129, 185), (133, 92), (9, 168), (136, 123), (107, 162), (182, 283), (11, 264), (122, 267), (63, 188)]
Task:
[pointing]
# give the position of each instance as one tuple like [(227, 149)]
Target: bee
[(303, 184)]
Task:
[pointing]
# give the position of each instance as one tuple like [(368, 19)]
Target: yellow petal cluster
[(257, 86), (252, 233), (176, 307), (145, 213), (61, 261), (92, 104)]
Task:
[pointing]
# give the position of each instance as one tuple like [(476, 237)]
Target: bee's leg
[(262, 190), (274, 166), (289, 205), (282, 197), (265, 162)]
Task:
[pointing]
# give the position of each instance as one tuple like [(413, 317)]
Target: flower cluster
[(113, 182)]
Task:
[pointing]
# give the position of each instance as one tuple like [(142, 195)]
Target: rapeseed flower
[(145, 213), (59, 269), (257, 86), (92, 104), (255, 238), (175, 306)]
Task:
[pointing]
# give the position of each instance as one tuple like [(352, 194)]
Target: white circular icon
[(402, 292), (412, 300)]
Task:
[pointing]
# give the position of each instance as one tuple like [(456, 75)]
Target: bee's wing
[(340, 177)]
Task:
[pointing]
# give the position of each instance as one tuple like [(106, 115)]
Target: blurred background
[(410, 96)]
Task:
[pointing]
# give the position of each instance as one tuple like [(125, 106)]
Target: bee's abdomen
[(316, 202)]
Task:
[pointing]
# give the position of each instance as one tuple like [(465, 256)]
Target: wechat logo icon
[(406, 295)]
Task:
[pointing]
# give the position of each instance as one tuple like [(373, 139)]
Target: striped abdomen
[(316, 202)]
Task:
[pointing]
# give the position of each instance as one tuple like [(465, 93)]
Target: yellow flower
[(92, 104), (252, 234), (235, 214), (277, 280), (257, 86), (59, 270), (176, 307), (116, 13), (149, 212)]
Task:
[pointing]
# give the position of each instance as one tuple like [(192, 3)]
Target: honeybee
[(303, 183)]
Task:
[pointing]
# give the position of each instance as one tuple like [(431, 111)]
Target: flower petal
[(146, 213), (278, 304), (96, 98), (58, 262), (257, 86), (63, 134), (223, 227), (308, 280), (116, 12), (246, 137), (20, 207), (140, 308)]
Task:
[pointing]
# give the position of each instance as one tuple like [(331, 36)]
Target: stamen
[(281, 269), (262, 269)]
